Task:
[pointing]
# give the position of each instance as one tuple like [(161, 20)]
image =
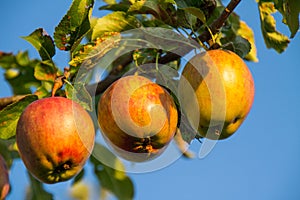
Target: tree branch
[(219, 22)]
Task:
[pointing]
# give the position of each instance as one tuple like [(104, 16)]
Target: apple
[(137, 117), (4, 179), (224, 90), (55, 137)]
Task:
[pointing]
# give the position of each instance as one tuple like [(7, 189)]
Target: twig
[(219, 22)]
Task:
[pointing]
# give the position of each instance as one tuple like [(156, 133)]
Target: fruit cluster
[(137, 117)]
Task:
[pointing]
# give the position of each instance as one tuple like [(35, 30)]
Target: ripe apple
[(4, 179), (224, 90), (55, 137), (138, 118)]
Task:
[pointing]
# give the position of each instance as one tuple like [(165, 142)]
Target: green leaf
[(7, 60), (45, 71), (93, 51), (188, 133), (114, 22), (272, 37), (8, 151), (112, 179), (44, 90), (145, 7), (189, 14), (20, 72), (241, 46), (206, 6), (246, 32), (168, 77), (187, 20), (79, 94), (290, 12), (142, 56), (292, 15), (188, 3), (167, 2), (196, 12), (74, 25), (42, 42), (9, 116), (155, 23), (78, 177), (237, 36), (37, 190), (163, 10), (166, 39), (11, 61), (116, 7)]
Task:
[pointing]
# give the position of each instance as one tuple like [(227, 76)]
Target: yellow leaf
[(273, 38), (246, 32)]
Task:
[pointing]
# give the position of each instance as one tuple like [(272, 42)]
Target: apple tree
[(151, 38)]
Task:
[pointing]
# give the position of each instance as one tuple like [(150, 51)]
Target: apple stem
[(60, 81)]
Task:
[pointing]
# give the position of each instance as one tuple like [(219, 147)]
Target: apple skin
[(4, 179), (224, 90), (55, 137), (137, 117)]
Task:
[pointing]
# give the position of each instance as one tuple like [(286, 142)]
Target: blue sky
[(261, 161)]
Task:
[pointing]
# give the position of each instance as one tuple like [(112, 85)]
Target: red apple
[(137, 117), (55, 137), (4, 179)]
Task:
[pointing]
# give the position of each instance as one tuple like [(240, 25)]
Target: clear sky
[(261, 161)]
